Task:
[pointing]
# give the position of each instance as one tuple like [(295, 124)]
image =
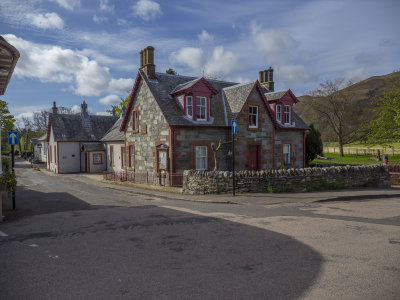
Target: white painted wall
[(43, 156), (69, 159), (117, 157), (97, 168), (52, 165)]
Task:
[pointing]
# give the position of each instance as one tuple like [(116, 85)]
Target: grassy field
[(352, 159)]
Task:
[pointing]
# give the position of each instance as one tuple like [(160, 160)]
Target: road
[(72, 240)]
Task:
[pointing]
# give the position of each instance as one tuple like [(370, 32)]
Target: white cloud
[(105, 7), (295, 73), (55, 64), (46, 21), (355, 75), (76, 109), (271, 41), (222, 62), (68, 4), (99, 19), (189, 56), (110, 99), (122, 22), (204, 36), (146, 9)]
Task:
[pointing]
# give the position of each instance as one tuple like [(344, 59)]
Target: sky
[(75, 50)]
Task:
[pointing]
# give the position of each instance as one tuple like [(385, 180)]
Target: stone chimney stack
[(267, 79), (54, 109), (147, 62), (123, 111)]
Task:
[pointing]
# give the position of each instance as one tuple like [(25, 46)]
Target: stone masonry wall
[(286, 180), (295, 139), (153, 130)]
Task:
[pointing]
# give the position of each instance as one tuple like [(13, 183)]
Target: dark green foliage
[(118, 108), (7, 124), (313, 144), (171, 71)]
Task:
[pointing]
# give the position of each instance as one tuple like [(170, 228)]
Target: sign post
[(13, 140), (234, 131)]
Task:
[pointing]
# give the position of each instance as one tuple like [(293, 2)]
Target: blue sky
[(75, 50)]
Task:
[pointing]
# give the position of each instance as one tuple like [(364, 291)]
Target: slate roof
[(77, 128), (164, 84), (275, 95), (225, 105), (114, 134), (236, 96)]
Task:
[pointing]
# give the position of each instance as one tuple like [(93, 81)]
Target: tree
[(330, 102), (118, 108), (215, 150), (171, 71), (386, 128), (7, 124), (41, 120), (313, 144)]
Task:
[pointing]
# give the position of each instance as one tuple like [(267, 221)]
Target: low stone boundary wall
[(286, 180)]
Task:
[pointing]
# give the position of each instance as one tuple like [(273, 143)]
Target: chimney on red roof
[(267, 79), (147, 62), (54, 109)]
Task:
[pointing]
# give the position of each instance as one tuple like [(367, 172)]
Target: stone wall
[(286, 180)]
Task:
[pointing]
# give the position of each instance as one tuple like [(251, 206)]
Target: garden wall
[(289, 180)]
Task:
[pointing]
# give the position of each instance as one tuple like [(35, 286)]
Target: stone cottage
[(74, 141), (173, 121)]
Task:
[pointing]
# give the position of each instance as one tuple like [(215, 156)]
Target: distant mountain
[(364, 96)]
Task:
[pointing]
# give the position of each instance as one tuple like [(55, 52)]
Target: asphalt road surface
[(72, 240)]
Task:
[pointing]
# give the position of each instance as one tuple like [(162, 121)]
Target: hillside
[(364, 95)]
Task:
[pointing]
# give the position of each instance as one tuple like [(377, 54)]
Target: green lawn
[(353, 159)]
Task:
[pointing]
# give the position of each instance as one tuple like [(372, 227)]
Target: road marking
[(2, 233)]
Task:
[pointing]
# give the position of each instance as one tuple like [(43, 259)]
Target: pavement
[(242, 198)]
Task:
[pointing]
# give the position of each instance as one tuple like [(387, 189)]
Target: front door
[(253, 158)]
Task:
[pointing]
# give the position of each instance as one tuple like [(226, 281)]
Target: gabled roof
[(185, 86), (114, 134), (161, 87), (280, 94), (78, 128), (236, 96)]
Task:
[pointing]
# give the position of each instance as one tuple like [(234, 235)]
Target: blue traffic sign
[(13, 138), (234, 127)]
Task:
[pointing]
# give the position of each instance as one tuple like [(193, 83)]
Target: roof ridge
[(239, 85)]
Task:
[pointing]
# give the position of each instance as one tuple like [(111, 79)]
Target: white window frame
[(187, 98), (287, 114), (198, 99), (286, 153), (279, 112), (201, 156), (253, 114), (131, 156)]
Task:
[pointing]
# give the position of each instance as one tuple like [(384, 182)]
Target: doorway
[(253, 161)]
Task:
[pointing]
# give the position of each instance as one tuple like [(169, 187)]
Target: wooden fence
[(363, 151)]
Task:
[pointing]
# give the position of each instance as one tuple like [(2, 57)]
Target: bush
[(313, 144), (10, 180)]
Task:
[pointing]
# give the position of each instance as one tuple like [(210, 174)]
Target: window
[(253, 116), (135, 120), (111, 155), (189, 106), (123, 158), (97, 158), (279, 113), (201, 108), (201, 157), (286, 154), (287, 114), (131, 157)]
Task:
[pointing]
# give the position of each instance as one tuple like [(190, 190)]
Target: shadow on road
[(30, 202), (150, 252)]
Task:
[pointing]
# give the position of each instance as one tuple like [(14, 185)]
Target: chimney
[(113, 111), (267, 79), (147, 62), (123, 111), (84, 112), (54, 108)]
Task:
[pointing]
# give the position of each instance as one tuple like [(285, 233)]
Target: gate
[(394, 171)]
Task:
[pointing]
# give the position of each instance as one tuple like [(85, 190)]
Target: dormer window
[(287, 114), (189, 106), (201, 108), (279, 112)]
